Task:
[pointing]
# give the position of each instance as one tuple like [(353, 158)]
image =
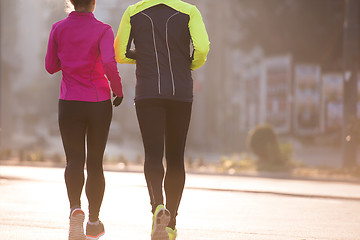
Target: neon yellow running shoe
[(172, 233), (160, 219)]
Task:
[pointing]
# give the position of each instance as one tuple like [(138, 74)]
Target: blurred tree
[(310, 30), (263, 142)]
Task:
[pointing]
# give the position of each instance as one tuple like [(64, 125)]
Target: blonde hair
[(69, 7)]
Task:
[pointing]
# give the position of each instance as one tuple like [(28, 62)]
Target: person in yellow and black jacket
[(166, 39)]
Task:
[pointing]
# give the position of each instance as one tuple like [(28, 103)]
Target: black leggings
[(77, 121), (164, 121)]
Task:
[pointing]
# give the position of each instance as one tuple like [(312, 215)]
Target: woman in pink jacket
[(82, 48)]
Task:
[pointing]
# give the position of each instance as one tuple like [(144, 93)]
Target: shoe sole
[(162, 219), (95, 238), (76, 231)]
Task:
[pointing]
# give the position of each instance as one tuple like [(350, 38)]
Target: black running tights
[(79, 121), (164, 122)]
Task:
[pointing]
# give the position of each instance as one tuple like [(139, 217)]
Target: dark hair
[(81, 3)]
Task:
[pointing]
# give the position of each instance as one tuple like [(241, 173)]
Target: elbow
[(204, 50), (52, 66), (123, 59), (120, 58), (200, 56), (195, 66), (199, 61), (51, 70)]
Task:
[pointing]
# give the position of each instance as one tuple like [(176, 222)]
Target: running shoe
[(76, 229), (160, 219), (172, 233), (94, 231)]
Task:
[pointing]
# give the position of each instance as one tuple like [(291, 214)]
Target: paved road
[(33, 206)]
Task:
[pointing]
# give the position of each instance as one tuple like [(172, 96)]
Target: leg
[(151, 117), (99, 119), (72, 129), (177, 124)]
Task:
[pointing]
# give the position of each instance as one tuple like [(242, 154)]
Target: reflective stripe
[(156, 54), (168, 48)]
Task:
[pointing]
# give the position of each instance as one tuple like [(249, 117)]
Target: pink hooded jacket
[(82, 47)]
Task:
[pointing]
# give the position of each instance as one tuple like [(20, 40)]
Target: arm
[(199, 38), (52, 62), (109, 63), (123, 39)]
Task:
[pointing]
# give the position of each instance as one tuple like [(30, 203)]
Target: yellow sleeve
[(122, 39), (199, 38)]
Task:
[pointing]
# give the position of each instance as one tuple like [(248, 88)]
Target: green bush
[(263, 142), (237, 163)]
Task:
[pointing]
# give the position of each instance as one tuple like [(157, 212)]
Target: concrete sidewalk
[(33, 205)]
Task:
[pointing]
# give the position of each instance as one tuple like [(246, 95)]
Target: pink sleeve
[(52, 62), (109, 63)]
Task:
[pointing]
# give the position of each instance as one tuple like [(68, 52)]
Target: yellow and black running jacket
[(162, 32)]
